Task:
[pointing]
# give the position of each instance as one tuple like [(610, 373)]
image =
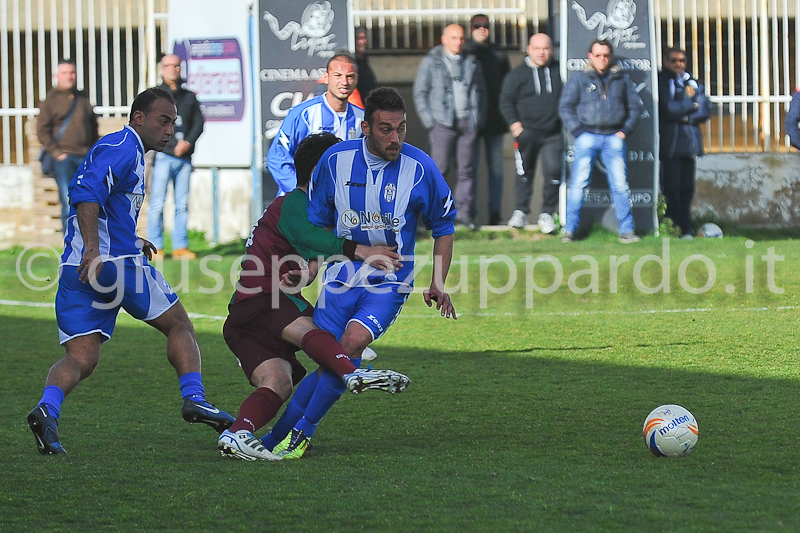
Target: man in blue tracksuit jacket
[(600, 107)]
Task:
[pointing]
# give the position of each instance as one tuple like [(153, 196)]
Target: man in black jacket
[(529, 103), (495, 65), (175, 162), (682, 107)]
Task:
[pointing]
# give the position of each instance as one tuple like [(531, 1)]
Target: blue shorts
[(376, 308), (81, 310)]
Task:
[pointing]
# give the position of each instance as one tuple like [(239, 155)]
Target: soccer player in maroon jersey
[(266, 325)]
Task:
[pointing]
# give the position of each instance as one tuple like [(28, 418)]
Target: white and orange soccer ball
[(670, 431)]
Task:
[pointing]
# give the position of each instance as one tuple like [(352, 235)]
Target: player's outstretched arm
[(442, 257)]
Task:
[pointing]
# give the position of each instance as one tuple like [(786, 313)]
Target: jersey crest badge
[(389, 192)]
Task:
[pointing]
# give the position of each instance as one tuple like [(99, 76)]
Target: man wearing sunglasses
[(495, 66)]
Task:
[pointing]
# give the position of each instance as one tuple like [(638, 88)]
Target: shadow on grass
[(507, 439)]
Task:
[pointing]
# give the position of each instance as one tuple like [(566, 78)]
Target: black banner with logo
[(628, 25), (297, 39)]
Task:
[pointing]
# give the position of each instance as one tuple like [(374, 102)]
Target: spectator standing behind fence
[(450, 95), (495, 65), (67, 129), (174, 164), (529, 103), (682, 107), (600, 107), (792, 123), (366, 76)]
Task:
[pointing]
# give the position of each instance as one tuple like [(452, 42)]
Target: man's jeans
[(493, 143), (64, 171), (612, 152), (167, 168)]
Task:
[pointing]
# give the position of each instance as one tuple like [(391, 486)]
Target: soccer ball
[(710, 230), (670, 431)]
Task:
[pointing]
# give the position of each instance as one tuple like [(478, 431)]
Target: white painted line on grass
[(490, 314)]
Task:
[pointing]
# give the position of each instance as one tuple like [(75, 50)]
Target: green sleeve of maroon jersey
[(309, 240)]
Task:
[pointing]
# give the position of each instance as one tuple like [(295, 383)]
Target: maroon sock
[(257, 410), (324, 350)]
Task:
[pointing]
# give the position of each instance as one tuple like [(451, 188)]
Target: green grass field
[(524, 415)]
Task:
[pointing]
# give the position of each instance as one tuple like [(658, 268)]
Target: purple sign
[(213, 69)]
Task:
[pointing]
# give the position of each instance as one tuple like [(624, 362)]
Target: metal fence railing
[(744, 52), (113, 44)]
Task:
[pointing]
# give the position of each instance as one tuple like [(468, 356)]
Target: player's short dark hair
[(344, 57), (383, 99), (602, 42), (144, 101), (308, 153)]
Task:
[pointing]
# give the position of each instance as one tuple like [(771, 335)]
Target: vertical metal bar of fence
[(17, 50), (143, 46), (117, 69), (707, 62), (682, 27), (776, 83), (420, 34), (79, 66), (4, 73), (763, 91), (720, 88), (53, 37), (67, 44), (128, 53), (731, 76), (786, 83), (150, 29), (756, 72), (393, 25), (105, 99), (41, 49), (670, 25), (92, 46), (743, 76), (29, 63)]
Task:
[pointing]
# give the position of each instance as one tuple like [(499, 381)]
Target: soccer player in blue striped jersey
[(373, 191), (104, 268), (329, 112)]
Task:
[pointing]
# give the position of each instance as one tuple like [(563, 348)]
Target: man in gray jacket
[(450, 96), (600, 106)]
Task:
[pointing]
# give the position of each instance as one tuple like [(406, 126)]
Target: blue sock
[(330, 388), (192, 386), (293, 412), (53, 397)]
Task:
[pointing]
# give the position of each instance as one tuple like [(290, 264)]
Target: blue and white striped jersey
[(378, 206), (312, 116), (112, 175)]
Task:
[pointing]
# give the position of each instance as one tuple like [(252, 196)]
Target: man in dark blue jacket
[(682, 107), (600, 106)]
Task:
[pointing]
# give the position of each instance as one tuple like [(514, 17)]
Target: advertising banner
[(628, 25), (297, 39), (215, 53)]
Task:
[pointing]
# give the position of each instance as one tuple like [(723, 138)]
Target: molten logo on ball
[(670, 431)]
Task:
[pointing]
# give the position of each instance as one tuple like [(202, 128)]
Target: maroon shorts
[(253, 330)]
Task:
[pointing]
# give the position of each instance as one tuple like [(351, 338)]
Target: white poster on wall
[(214, 46)]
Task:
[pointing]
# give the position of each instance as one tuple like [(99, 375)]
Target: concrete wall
[(759, 189)]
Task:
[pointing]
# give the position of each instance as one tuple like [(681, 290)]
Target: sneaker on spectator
[(567, 237), (546, 223), (629, 238), (518, 219)]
